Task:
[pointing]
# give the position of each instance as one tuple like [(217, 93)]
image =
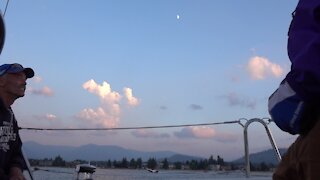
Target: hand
[(16, 174)]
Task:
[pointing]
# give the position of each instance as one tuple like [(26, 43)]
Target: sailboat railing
[(246, 143)]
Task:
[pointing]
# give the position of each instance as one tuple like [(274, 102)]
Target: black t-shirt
[(10, 142)]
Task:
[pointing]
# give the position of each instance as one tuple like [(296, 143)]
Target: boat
[(85, 168), (152, 170)]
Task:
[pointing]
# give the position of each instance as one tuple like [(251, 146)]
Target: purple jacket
[(304, 51)]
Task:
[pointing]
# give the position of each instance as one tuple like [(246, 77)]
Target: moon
[(178, 17)]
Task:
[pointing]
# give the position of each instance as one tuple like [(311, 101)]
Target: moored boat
[(152, 170), (85, 168)]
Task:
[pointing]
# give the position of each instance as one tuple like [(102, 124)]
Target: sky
[(123, 63)]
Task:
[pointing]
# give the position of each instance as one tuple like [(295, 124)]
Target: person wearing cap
[(12, 86)]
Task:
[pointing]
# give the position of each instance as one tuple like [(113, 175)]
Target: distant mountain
[(92, 152), (182, 158), (267, 156)]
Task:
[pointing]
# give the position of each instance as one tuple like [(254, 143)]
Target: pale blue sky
[(191, 69)]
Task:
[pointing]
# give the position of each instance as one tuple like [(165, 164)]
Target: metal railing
[(245, 126)]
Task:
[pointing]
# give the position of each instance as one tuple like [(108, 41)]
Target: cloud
[(44, 120), (109, 111), (235, 100), (101, 117), (196, 107), (163, 107), (204, 132), (37, 79), (196, 132), (131, 100), (226, 137), (49, 117), (260, 68), (45, 91), (143, 133), (103, 91)]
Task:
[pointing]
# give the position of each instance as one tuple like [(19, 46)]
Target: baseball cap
[(16, 68)]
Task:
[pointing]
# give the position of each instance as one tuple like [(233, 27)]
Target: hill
[(92, 152), (267, 156)]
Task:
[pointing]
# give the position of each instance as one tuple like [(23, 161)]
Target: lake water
[(126, 174)]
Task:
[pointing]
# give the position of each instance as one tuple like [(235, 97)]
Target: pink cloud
[(196, 132), (204, 132), (260, 68)]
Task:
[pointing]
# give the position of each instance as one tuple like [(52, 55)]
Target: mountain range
[(93, 152), (267, 156)]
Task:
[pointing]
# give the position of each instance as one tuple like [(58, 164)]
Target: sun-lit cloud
[(196, 107), (226, 137), (196, 132), (109, 111), (37, 79), (43, 120), (235, 99), (48, 116), (45, 91), (133, 101), (101, 117), (204, 132), (260, 68), (103, 91), (143, 133)]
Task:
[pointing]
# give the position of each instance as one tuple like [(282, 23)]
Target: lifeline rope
[(128, 128)]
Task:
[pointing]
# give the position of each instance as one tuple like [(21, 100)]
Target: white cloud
[(101, 117), (133, 101), (260, 68), (103, 91), (109, 111), (37, 79), (45, 91), (48, 116)]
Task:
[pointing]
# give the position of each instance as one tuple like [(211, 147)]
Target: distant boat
[(85, 168), (152, 170)]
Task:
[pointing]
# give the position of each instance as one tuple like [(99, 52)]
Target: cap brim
[(29, 72)]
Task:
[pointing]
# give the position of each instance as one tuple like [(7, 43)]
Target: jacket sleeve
[(304, 51)]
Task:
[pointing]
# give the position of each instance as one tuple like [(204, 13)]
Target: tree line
[(153, 163)]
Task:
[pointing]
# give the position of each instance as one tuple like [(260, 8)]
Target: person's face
[(15, 84)]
